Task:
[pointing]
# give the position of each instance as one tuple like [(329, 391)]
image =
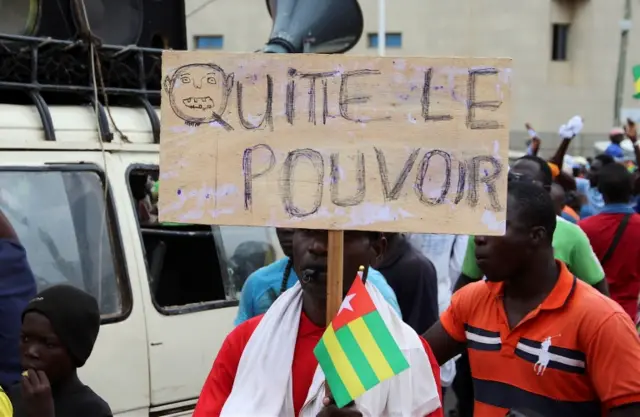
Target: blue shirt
[(263, 286), (17, 288), (617, 208), (595, 202), (616, 151)]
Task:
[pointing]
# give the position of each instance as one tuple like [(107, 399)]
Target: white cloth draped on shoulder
[(263, 383)]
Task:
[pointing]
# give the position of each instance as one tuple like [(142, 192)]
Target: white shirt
[(446, 252)]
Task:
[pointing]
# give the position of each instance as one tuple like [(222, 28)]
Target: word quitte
[(199, 93), (468, 174)]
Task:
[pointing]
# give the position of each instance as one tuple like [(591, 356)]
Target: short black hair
[(534, 206), (614, 182), (545, 170), (604, 159)]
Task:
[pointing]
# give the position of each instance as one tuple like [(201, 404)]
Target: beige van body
[(158, 338)]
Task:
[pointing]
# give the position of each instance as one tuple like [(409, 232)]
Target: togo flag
[(357, 351), (636, 82)]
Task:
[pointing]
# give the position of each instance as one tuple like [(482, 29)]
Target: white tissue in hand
[(572, 128)]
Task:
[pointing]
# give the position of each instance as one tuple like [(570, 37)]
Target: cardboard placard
[(335, 142)]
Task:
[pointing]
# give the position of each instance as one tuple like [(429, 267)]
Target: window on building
[(81, 247), (392, 40), (193, 267), (560, 41), (210, 42)]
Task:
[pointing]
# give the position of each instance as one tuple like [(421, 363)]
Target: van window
[(59, 216), (193, 267)]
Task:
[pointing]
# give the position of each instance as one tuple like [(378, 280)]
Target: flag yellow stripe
[(370, 349), (342, 364), (637, 85)]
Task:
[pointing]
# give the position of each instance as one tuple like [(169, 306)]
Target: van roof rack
[(53, 71)]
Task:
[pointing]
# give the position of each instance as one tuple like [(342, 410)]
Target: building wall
[(545, 92)]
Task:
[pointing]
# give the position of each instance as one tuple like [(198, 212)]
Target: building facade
[(565, 52)]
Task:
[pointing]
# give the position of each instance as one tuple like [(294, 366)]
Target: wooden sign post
[(335, 263), (335, 142)]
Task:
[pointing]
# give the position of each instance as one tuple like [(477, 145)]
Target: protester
[(17, 287), (266, 365), (537, 337), (447, 254), (616, 136), (413, 279), (263, 286), (589, 187), (571, 246), (59, 330), (615, 236), (572, 206)]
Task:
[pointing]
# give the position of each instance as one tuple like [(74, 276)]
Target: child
[(59, 329)]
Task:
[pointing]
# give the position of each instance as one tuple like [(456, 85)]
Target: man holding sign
[(267, 366), (332, 143)]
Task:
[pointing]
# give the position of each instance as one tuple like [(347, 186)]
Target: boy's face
[(41, 350)]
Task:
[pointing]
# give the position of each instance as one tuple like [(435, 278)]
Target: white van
[(168, 294)]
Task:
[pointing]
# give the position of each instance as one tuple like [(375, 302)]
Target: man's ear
[(538, 235), (379, 247)]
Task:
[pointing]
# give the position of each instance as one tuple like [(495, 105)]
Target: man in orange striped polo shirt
[(539, 339)]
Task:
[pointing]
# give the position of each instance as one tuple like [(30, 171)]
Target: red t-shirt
[(219, 383), (623, 268)]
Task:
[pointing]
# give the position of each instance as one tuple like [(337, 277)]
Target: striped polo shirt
[(576, 354)]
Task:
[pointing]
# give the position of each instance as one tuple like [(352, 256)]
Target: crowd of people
[(538, 322)]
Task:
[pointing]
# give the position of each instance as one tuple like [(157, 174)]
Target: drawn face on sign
[(198, 93)]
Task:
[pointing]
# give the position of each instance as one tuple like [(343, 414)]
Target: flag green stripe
[(370, 348), (339, 391), (357, 358), (636, 72), (385, 341)]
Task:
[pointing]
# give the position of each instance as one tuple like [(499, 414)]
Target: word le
[(294, 77)]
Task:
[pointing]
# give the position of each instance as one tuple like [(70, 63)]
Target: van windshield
[(59, 216)]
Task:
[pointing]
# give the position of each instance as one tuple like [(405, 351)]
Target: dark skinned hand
[(630, 130), (330, 408), (36, 393)]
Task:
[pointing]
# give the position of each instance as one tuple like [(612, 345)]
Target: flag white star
[(346, 303)]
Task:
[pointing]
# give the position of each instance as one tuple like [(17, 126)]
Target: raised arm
[(631, 131), (567, 132), (535, 140)]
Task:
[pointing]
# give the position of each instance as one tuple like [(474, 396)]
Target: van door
[(192, 291), (56, 203)]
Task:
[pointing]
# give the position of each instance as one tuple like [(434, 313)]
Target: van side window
[(194, 267), (183, 264), (61, 218)]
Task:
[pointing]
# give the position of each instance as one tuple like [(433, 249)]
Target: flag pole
[(335, 262)]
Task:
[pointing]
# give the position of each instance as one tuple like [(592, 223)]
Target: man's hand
[(630, 131), (330, 409), (36, 393)]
